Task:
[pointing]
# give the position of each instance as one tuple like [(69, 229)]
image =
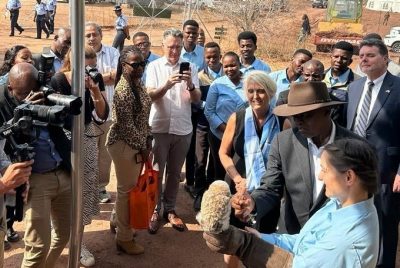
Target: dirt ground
[(168, 248)]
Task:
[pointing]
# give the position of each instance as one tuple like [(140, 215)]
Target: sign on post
[(219, 32)]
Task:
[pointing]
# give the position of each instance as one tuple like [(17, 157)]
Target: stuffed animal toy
[(215, 208)]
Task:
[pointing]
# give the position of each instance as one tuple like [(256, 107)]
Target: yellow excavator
[(342, 23)]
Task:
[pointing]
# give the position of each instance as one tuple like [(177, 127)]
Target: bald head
[(313, 70), (22, 80), (62, 42)]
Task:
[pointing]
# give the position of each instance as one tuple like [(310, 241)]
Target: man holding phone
[(172, 86)]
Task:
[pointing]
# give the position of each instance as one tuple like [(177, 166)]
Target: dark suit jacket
[(289, 176), (383, 129)]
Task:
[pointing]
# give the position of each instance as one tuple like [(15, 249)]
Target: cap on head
[(304, 97), (117, 8)]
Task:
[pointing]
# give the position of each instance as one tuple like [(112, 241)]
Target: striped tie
[(361, 124)]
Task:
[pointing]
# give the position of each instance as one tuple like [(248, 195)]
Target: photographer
[(12, 175), (96, 108), (50, 182)]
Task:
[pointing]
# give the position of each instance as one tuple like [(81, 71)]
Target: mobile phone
[(184, 66), (139, 158)]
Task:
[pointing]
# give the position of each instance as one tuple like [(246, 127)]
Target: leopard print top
[(128, 125)]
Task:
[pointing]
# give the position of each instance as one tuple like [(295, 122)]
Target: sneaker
[(87, 258), (12, 236), (104, 197), (7, 245)]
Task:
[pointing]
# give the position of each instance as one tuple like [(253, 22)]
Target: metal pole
[(77, 17)]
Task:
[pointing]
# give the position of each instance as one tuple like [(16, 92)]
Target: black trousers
[(50, 22), (41, 25), (14, 21), (388, 207), (119, 40), (190, 162), (204, 169), (219, 170)]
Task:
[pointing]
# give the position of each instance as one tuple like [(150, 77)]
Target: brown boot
[(129, 247)]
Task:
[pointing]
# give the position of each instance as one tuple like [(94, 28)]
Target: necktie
[(361, 124)]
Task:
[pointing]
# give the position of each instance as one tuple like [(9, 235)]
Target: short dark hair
[(357, 155), (232, 54), (247, 35), (372, 36), (190, 23), (375, 43), (212, 45), (303, 51), (140, 34), (343, 45)]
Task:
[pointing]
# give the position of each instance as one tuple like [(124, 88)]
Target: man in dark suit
[(374, 113), (293, 163)]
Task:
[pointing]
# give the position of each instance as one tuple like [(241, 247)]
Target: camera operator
[(96, 113), (50, 183), (12, 175)]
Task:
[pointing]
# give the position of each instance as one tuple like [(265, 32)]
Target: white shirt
[(171, 113), (315, 161), (107, 60), (51, 4), (374, 95), (40, 9)]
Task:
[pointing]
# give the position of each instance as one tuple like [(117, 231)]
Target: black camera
[(93, 73), (45, 67), (53, 115), (70, 102)]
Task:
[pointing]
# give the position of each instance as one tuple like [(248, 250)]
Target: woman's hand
[(240, 185)]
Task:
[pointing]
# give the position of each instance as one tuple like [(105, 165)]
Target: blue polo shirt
[(258, 65), (282, 81), (196, 57), (223, 99)]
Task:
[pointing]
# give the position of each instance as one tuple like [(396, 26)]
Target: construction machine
[(342, 23)]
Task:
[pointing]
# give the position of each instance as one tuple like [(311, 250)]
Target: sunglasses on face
[(135, 65)]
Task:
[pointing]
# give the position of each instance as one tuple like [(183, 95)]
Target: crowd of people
[(311, 154)]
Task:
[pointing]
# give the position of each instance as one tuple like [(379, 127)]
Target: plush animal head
[(215, 208)]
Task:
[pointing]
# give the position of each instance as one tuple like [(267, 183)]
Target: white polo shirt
[(171, 113)]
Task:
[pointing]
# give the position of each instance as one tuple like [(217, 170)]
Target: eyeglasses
[(135, 65), (143, 45)]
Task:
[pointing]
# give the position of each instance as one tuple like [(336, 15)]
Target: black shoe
[(12, 236), (47, 35), (38, 38), (7, 245), (20, 31), (51, 32), (11, 35)]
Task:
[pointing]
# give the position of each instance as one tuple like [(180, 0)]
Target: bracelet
[(191, 89)]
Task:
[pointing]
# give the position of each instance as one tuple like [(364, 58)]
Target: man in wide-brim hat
[(293, 163)]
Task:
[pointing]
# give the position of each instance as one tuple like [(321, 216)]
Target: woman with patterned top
[(129, 139), (94, 100)]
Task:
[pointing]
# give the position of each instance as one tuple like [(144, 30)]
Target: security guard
[(40, 19), (51, 8), (122, 27), (13, 6)]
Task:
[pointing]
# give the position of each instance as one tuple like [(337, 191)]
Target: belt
[(120, 30)]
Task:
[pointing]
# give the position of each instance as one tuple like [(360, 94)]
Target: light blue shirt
[(121, 22), (258, 65), (13, 5), (4, 160), (223, 99), (57, 63), (196, 57), (40, 9), (149, 59), (335, 237), (215, 75), (51, 4), (342, 79), (282, 81), (3, 79)]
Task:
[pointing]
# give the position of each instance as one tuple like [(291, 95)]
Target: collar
[(191, 52), (213, 74), (377, 81), (341, 79), (331, 137), (164, 61), (352, 211), (250, 65)]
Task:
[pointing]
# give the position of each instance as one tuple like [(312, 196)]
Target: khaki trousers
[(49, 198), (103, 156), (127, 172)]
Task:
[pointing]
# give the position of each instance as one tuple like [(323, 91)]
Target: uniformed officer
[(13, 6), (122, 27), (51, 9), (40, 19)]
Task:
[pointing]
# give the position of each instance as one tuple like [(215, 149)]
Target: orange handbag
[(143, 198)]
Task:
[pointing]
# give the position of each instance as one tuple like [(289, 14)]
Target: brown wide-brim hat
[(304, 97)]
